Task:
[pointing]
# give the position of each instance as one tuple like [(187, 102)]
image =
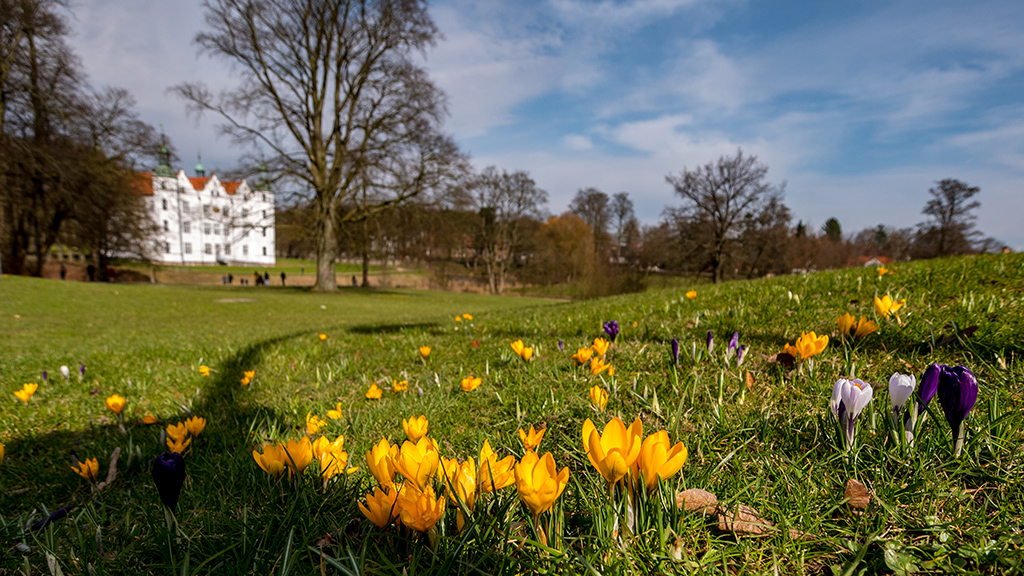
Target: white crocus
[(901, 386), (854, 396), (65, 372)]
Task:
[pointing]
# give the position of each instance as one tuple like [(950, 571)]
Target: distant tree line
[(68, 152), (731, 223)]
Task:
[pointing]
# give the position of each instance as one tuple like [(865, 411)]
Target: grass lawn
[(760, 435)]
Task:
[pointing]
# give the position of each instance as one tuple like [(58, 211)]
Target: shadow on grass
[(393, 328)]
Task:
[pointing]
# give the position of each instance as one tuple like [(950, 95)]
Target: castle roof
[(142, 184)]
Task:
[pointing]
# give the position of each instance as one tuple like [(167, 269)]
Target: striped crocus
[(711, 342), (741, 352), (675, 351), (849, 398), (734, 341), (958, 391)]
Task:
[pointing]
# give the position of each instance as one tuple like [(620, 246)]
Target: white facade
[(202, 220)]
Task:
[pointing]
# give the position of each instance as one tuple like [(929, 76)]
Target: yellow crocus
[(470, 383), (314, 423), (195, 425), (336, 413), (849, 325), (245, 380), (334, 462), (525, 352), (691, 294), (299, 454), (417, 462), (415, 428), (659, 459), (88, 469), (598, 365), (380, 506), (532, 438), (149, 419), (494, 474), (26, 392), (204, 371), (807, 345), (250, 374), (847, 322), (374, 393), (582, 355), (379, 460), (614, 451), (419, 509), (1, 453), (467, 317), (323, 337), (598, 397), (399, 385), (178, 444), (273, 459), (322, 446), (882, 271), (600, 346), (177, 431), (539, 481), (425, 351), (458, 318), (115, 403), (885, 306)]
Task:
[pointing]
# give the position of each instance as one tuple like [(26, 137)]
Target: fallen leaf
[(474, 344), (696, 499), (857, 494), (750, 381), (742, 520)]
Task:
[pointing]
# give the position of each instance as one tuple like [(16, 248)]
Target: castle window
[(188, 247), (184, 206), (166, 227), (245, 250), (167, 247), (226, 212), (208, 248), (263, 197), (216, 229), (227, 229), (264, 231), (264, 250), (186, 227), (206, 228), (245, 212), (164, 202), (227, 249), (206, 209)]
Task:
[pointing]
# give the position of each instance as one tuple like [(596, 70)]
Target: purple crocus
[(611, 329), (734, 341), (46, 376), (561, 345), (740, 353), (957, 391), (675, 351), (81, 371), (53, 517), (169, 475), (929, 384), (711, 342)]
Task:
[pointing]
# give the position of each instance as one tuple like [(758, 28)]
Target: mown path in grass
[(774, 451)]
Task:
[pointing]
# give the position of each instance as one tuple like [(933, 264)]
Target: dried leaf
[(112, 470), (969, 331), (857, 494), (742, 520), (750, 381), (696, 499), (474, 344)]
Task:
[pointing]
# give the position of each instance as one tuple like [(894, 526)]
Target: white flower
[(65, 372), (901, 386), (849, 398)]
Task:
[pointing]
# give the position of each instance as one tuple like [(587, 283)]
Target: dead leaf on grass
[(743, 520), (699, 500), (857, 494), (750, 381)]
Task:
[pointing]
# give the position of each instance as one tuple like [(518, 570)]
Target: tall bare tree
[(332, 92), (950, 227), (591, 205), (505, 202), (716, 199)]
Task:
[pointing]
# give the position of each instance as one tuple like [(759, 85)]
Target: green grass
[(775, 452)]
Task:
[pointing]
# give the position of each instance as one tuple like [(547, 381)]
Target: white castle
[(204, 220)]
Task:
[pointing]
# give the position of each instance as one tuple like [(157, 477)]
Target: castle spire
[(200, 171)]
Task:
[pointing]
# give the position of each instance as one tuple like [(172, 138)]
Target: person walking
[(282, 277), (63, 272)]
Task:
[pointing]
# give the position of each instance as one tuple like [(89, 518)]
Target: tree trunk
[(326, 249), (365, 249)]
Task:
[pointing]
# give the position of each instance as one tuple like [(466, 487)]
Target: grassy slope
[(775, 452)]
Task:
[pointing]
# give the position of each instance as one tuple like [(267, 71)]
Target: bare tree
[(625, 221), (332, 91), (716, 199), (591, 205), (505, 201), (950, 228)]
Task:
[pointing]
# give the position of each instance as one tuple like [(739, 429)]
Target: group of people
[(257, 279)]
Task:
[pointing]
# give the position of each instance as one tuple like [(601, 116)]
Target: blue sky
[(858, 106)]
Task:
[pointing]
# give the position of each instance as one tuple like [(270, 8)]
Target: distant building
[(204, 220)]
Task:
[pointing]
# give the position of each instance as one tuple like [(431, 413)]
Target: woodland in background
[(69, 152)]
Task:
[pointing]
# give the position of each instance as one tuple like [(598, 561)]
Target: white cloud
[(577, 142)]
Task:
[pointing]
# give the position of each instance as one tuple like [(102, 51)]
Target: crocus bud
[(957, 391), (81, 371), (561, 345), (46, 376), (675, 351), (65, 372), (734, 341), (169, 475), (901, 386), (740, 353), (711, 342), (929, 384), (611, 329)]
